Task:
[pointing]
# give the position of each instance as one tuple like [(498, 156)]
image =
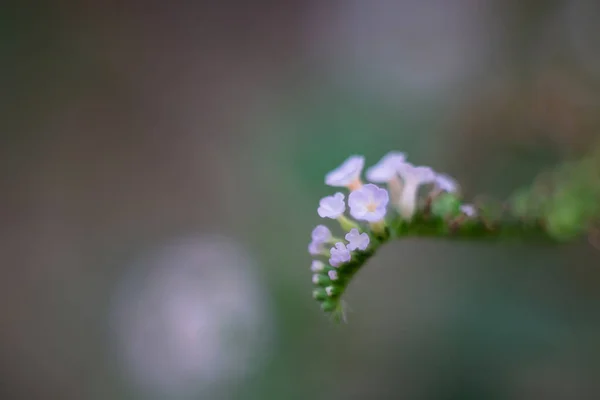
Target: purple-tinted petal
[(346, 173)]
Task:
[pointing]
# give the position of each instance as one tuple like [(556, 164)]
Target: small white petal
[(347, 173), (333, 275), (413, 177), (386, 169), (446, 183), (315, 279), (339, 254), (329, 290), (468, 209), (317, 266), (332, 206), (321, 234), (315, 248), (369, 203), (416, 175), (357, 241)]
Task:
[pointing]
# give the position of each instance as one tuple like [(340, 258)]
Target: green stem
[(474, 229), (424, 225)]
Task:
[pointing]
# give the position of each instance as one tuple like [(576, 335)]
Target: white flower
[(347, 174), (386, 171), (332, 206), (357, 241), (368, 203), (316, 278), (413, 177), (321, 234), (333, 275), (339, 254), (468, 209), (416, 175), (317, 266), (445, 183), (387, 168), (330, 289), (316, 248)]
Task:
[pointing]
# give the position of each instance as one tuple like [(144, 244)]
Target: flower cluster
[(398, 199), (389, 198)]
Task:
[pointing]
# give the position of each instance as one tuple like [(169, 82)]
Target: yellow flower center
[(355, 185)]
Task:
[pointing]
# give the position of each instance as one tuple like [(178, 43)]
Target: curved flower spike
[(347, 174), (560, 218), (368, 203)]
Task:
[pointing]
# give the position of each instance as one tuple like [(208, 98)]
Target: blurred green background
[(161, 169)]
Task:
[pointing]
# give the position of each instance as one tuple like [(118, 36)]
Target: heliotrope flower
[(320, 279), (347, 174), (367, 225), (333, 275), (386, 171), (315, 279), (445, 183), (339, 254), (321, 233), (469, 210), (316, 248), (320, 236), (317, 266), (413, 177), (332, 206), (369, 203), (357, 240), (387, 168)]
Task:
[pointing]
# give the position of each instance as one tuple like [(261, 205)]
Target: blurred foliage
[(126, 125), (566, 199)]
